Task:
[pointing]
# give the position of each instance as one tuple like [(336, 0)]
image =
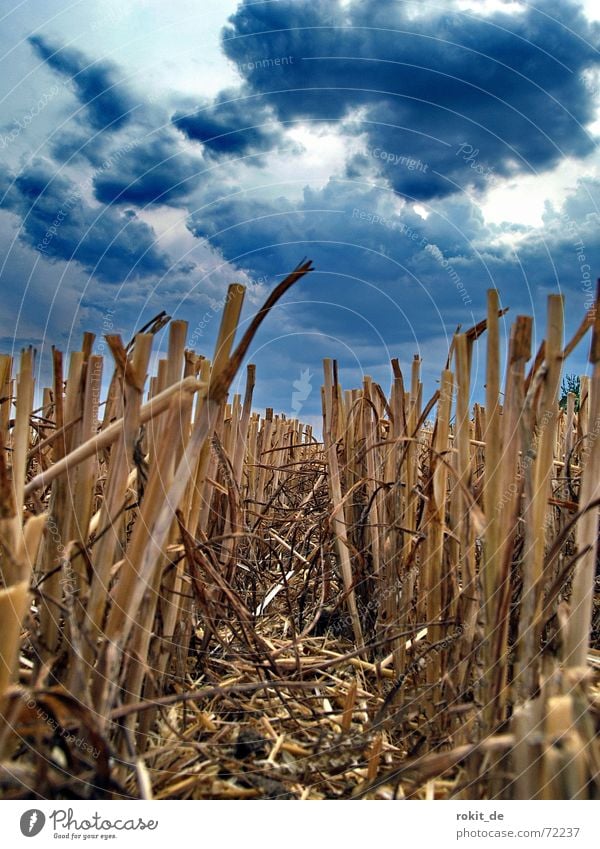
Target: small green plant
[(571, 383)]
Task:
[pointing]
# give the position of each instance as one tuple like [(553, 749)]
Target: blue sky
[(418, 153)]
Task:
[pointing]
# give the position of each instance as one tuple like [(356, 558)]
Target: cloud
[(350, 216), (377, 279), (41, 302), (57, 221), (444, 103), (153, 170), (389, 265), (508, 88), (235, 123), (96, 85), (148, 163)]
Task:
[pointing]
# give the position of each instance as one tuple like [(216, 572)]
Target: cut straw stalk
[(138, 570), (434, 584), (198, 484), (490, 567), (165, 491), (372, 490), (155, 407), (468, 602), (578, 638), (338, 521), (408, 473), (25, 390), (50, 554), (508, 505), (5, 395), (536, 504), (391, 609), (87, 472), (133, 377), (14, 602), (14, 570), (564, 769), (173, 584)]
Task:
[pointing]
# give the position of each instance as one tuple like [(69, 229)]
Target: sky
[(419, 153)]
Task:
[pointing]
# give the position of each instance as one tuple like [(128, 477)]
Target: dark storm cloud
[(57, 221), (153, 170), (95, 83), (446, 99), (343, 215), (378, 262), (449, 102), (374, 260), (151, 167), (76, 145), (267, 232), (234, 124)]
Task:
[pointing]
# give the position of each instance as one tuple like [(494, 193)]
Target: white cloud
[(491, 7), (523, 200)]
